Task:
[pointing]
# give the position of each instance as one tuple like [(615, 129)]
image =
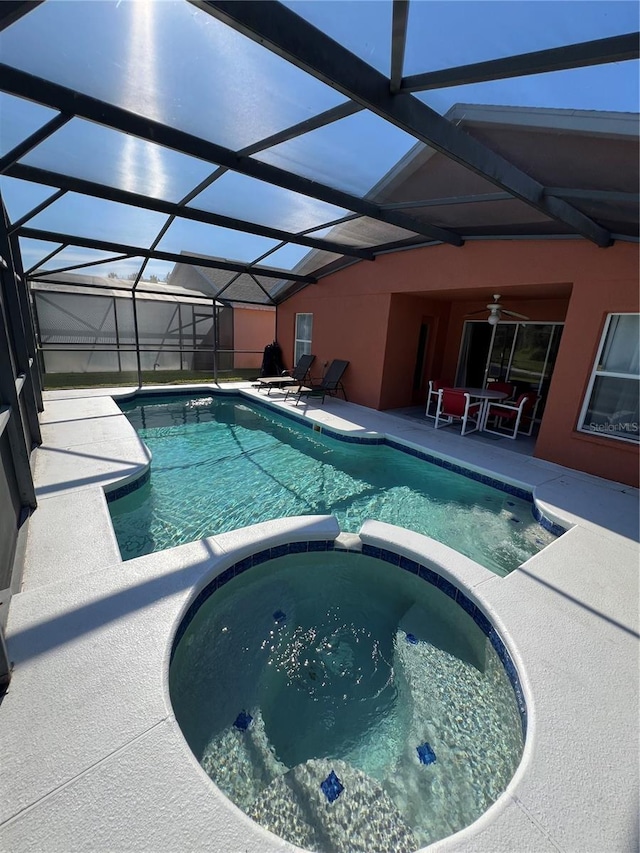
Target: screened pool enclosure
[(170, 172)]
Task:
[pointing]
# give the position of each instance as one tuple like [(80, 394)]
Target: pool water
[(348, 665), (220, 464)]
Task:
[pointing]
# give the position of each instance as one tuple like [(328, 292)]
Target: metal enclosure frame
[(276, 28)]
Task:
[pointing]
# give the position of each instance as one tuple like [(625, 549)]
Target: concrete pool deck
[(92, 758)]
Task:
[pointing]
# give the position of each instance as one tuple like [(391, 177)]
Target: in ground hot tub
[(345, 700)]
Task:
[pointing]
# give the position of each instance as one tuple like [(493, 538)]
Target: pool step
[(360, 819), (241, 761)]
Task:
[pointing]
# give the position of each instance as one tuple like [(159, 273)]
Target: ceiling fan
[(496, 311)]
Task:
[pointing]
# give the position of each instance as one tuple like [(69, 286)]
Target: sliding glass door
[(521, 353)]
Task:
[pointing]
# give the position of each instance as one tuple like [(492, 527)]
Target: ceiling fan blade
[(475, 313), (513, 314)]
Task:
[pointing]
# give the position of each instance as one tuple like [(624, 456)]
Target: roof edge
[(548, 118)]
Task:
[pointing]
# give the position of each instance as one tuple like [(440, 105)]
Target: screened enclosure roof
[(82, 285), (250, 148)]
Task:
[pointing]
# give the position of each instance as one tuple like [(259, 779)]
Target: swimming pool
[(220, 464), (347, 704)]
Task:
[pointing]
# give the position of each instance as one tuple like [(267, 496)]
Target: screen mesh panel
[(90, 151), (20, 118), (131, 54), (251, 200), (494, 29)]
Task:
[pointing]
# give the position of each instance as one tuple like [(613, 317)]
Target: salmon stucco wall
[(370, 314), (406, 315), (559, 439), (253, 329), (345, 327)]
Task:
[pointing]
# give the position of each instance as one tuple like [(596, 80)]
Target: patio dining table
[(485, 396)]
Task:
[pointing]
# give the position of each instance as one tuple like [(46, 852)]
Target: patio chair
[(457, 405), (432, 397), (331, 383), (507, 417), (295, 377)]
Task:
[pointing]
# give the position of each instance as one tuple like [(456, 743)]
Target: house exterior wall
[(370, 314), (253, 329), (592, 300), (345, 326)]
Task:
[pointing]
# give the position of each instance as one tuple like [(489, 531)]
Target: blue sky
[(169, 61)]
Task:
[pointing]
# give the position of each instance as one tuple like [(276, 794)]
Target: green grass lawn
[(55, 381)]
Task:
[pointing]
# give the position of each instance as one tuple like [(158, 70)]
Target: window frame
[(306, 342), (597, 373)]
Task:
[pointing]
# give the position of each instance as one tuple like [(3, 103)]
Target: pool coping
[(558, 619)]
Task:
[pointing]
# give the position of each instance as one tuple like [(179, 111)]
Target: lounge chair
[(296, 377), (331, 383)]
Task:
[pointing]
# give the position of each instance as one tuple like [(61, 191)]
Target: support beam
[(45, 259), (111, 260), (137, 251), (58, 97), (5, 664), (228, 284), (9, 397), (597, 52), (268, 295), (276, 27), (96, 190), (12, 10), (137, 338), (398, 42), (594, 195), (15, 226), (126, 290), (32, 141), (26, 307), (348, 218), (444, 202), (321, 120), (18, 315)]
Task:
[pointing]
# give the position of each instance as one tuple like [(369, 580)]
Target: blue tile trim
[(409, 565), (353, 439), (242, 566), (485, 479), (389, 556), (370, 551), (428, 575), (307, 424), (448, 588), (290, 416), (129, 487), (549, 525)]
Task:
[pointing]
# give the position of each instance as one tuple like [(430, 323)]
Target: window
[(304, 326), (611, 404)]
